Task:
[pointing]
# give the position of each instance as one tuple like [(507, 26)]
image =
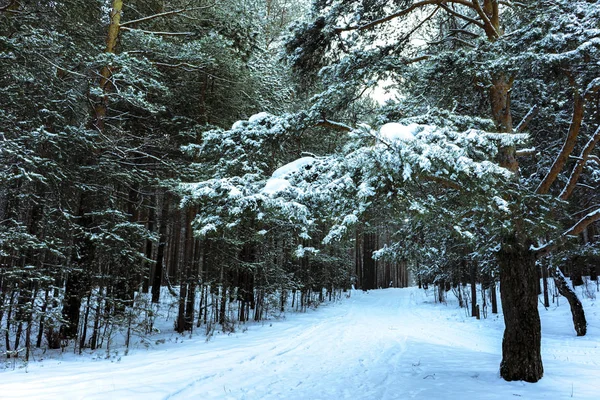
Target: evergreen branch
[(190, 68), (594, 158), (443, 181), (578, 168), (164, 14), (8, 6)]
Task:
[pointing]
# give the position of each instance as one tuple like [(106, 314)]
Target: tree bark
[(106, 71), (499, 95), (473, 289), (521, 344), (368, 263), (579, 321), (160, 252)]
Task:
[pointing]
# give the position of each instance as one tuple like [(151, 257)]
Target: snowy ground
[(385, 344)]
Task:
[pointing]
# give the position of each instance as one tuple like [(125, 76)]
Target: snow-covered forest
[(174, 172)]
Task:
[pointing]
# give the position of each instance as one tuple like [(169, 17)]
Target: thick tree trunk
[(521, 344), (499, 95), (579, 321)]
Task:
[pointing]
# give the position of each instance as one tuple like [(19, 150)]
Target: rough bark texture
[(499, 95), (521, 344), (579, 321), (106, 72)]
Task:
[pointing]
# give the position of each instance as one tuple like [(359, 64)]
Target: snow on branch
[(575, 230), (568, 146), (402, 13), (527, 119), (578, 168), (583, 223), (164, 14), (338, 126)]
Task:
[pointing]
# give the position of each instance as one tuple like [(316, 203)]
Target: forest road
[(384, 344)]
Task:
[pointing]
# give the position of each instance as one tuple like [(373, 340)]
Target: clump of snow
[(294, 166), (275, 185), (259, 117), (238, 125), (395, 131), (277, 182)]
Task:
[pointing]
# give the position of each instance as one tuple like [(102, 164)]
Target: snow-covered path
[(386, 344)]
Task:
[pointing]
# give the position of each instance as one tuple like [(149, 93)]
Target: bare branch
[(527, 119), (183, 65), (338, 126), (583, 223), (461, 16), (165, 14), (568, 146), (420, 24), (442, 181), (575, 230), (512, 4), (402, 13), (156, 33), (592, 88), (526, 152), (464, 32), (455, 39), (578, 168), (488, 26)]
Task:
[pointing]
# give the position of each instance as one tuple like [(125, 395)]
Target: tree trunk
[(160, 252), (499, 95), (579, 321), (106, 72), (545, 284), (473, 290), (368, 263), (576, 271), (147, 269), (493, 296), (521, 344)]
